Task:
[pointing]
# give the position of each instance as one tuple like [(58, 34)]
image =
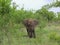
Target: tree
[(45, 14), (58, 15), (4, 6), (56, 4)]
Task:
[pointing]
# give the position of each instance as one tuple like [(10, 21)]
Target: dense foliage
[(11, 22)]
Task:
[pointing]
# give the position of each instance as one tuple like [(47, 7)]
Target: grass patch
[(18, 36)]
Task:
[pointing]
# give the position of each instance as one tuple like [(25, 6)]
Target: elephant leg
[(28, 32), (33, 34)]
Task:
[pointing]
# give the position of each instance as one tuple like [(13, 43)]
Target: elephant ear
[(36, 22), (25, 22)]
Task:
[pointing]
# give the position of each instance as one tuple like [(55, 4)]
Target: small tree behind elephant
[(30, 25)]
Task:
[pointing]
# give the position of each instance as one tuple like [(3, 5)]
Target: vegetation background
[(13, 32)]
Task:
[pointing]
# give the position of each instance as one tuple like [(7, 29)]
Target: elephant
[(30, 25)]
